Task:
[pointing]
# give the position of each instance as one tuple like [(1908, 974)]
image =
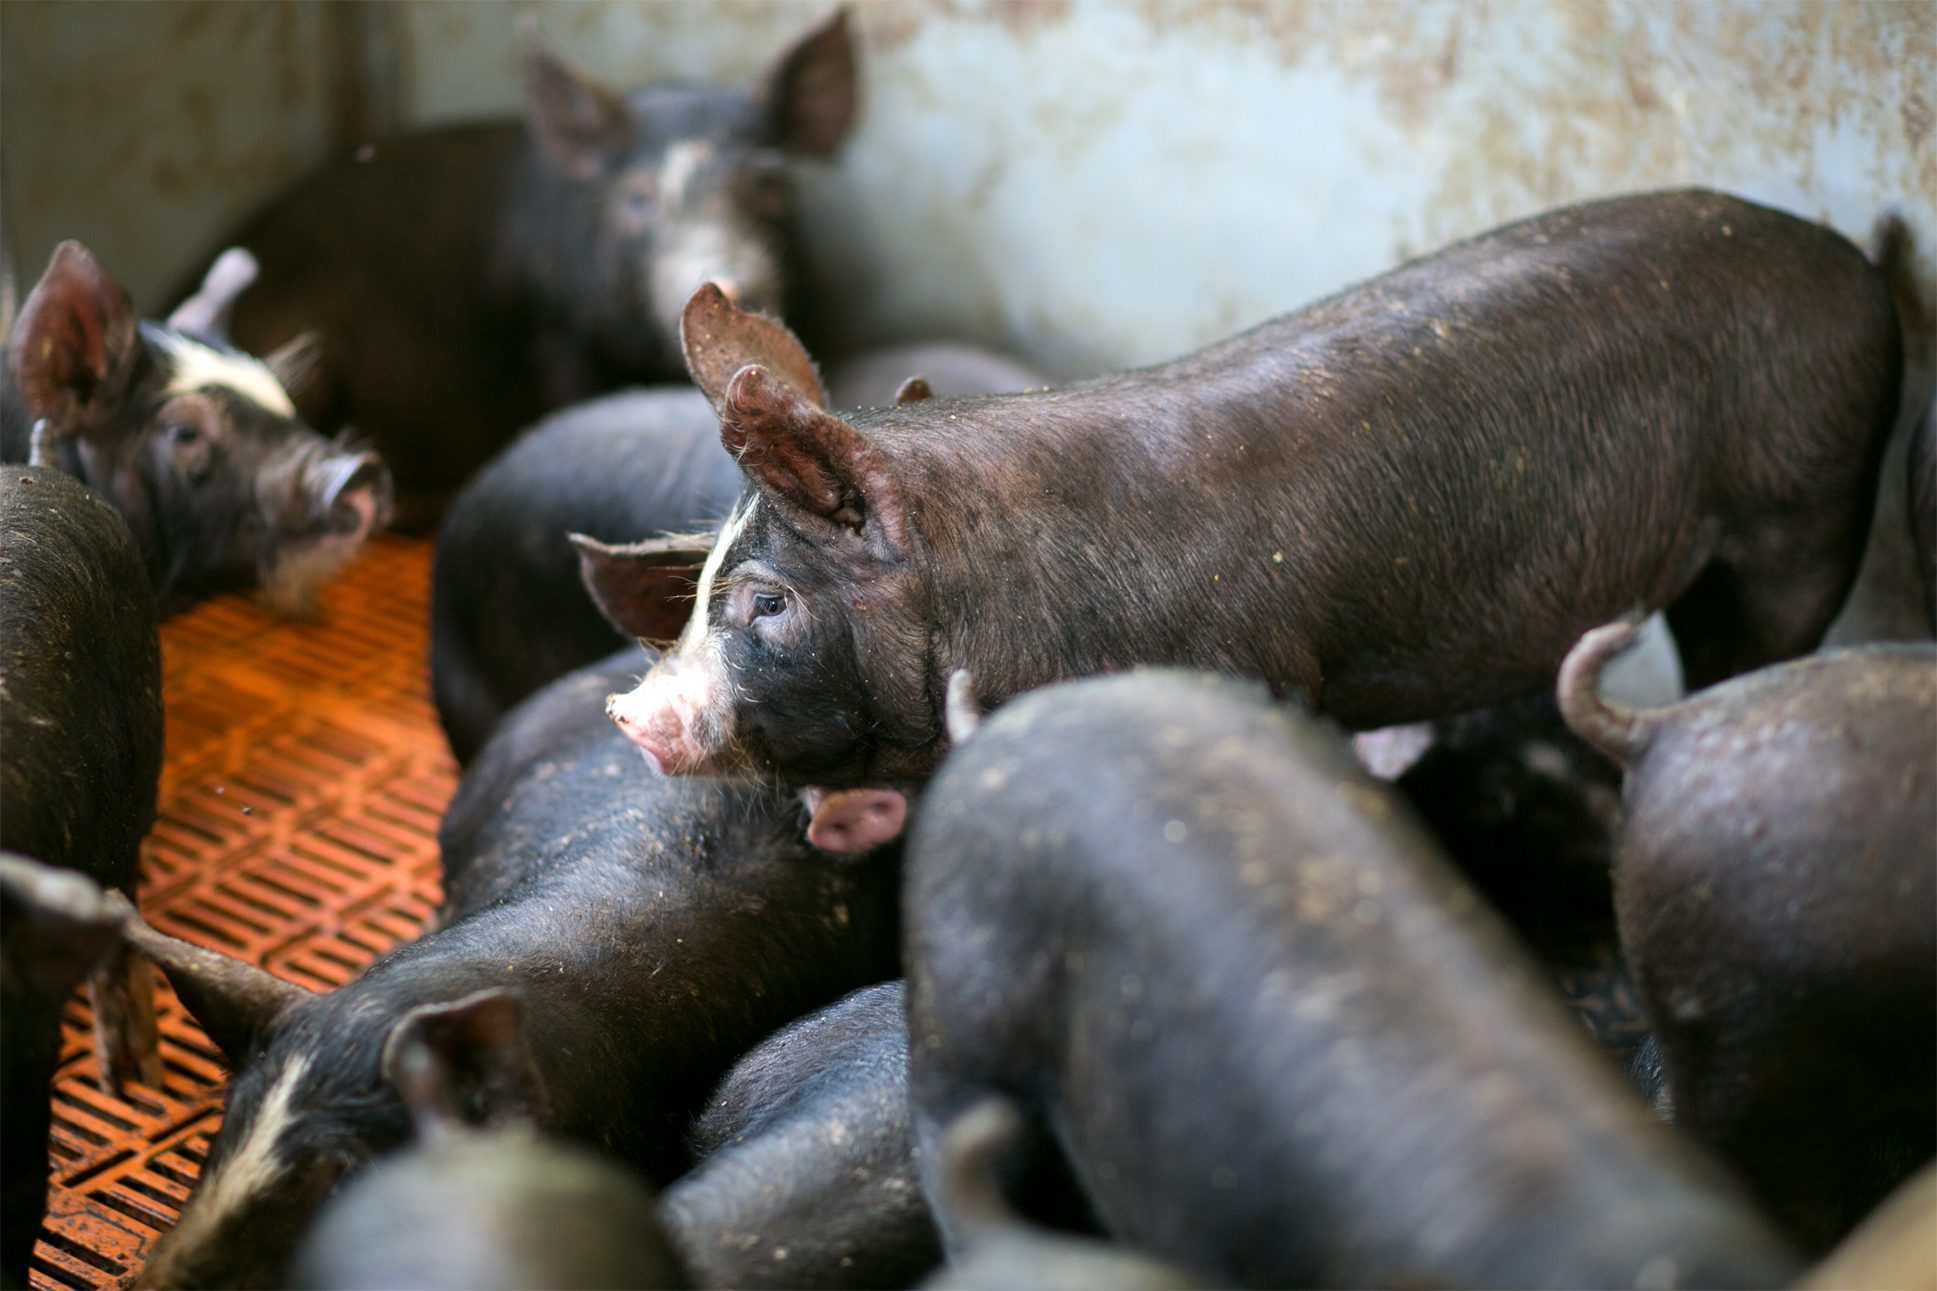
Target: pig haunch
[(1777, 902), (1404, 501)]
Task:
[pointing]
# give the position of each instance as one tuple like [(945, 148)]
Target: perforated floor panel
[(305, 775)]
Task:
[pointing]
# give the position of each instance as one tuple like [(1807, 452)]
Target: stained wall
[(1098, 184)]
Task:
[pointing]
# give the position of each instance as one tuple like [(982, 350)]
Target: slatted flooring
[(305, 775)]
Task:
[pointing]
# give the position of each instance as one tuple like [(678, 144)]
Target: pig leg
[(126, 1038), (1769, 595)]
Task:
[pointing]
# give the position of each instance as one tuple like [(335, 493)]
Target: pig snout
[(674, 716), (738, 259), (350, 492)]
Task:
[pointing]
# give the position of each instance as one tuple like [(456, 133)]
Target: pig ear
[(914, 390), (579, 123), (58, 925), (74, 346), (720, 338), (809, 92), (465, 1062), (811, 461), (852, 821), (206, 313), (295, 361), (235, 1002), (644, 589)]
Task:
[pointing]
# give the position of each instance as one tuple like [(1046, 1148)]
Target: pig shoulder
[(80, 679)]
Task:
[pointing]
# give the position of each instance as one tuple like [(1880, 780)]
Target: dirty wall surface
[(1096, 184)]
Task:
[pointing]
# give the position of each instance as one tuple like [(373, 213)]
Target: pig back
[(80, 679), (1411, 498), (1280, 1040)]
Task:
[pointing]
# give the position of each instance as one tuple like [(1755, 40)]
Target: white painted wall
[(1095, 183), (1098, 183)]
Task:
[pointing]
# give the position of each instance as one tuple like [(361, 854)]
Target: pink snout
[(351, 491), (661, 716), (854, 820)]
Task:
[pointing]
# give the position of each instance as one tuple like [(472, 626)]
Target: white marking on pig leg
[(730, 532), (198, 366), (248, 1170)]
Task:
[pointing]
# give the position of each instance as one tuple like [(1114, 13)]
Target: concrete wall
[(1097, 184)]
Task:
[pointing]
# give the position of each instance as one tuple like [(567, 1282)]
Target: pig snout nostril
[(351, 492)]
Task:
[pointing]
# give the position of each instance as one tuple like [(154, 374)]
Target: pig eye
[(766, 604), (184, 435)]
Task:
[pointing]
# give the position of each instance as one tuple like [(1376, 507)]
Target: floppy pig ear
[(465, 1062), (719, 338), (809, 93), (74, 346), (644, 589), (810, 460), (234, 1001), (579, 123)]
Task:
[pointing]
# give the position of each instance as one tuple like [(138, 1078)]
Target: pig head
[(195, 443), (823, 526), (628, 203)]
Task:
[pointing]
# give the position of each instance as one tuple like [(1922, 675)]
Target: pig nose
[(352, 491)]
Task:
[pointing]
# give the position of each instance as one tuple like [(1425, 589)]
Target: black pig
[(497, 1209), (649, 931), (466, 279), (1278, 1038), (501, 1208), (195, 443), (806, 1173), (56, 928), (1775, 885), (1406, 500), (508, 614), (81, 719)]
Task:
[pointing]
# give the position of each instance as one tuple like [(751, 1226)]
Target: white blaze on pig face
[(229, 1188), (681, 714), (707, 233)]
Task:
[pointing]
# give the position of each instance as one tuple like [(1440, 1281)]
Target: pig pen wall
[(1092, 184), (1097, 184)]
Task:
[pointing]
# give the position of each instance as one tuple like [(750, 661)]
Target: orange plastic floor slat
[(304, 777)]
